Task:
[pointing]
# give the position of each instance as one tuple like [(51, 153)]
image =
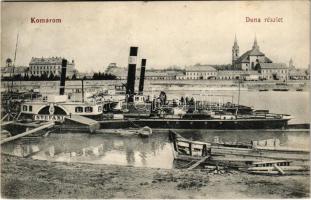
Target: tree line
[(52, 77)]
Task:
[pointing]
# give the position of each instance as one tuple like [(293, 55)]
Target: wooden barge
[(238, 155)]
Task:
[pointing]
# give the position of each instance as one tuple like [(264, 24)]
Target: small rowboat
[(144, 132), (263, 90)]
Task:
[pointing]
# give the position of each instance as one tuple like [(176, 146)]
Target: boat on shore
[(253, 157)]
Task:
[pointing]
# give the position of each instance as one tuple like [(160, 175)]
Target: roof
[(237, 72), (273, 66), (51, 60), (244, 58), (201, 68), (256, 52)]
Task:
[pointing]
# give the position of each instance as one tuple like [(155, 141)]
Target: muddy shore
[(28, 178)]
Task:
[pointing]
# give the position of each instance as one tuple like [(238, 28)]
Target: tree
[(56, 78), (51, 77), (26, 77), (8, 62), (32, 78), (43, 77), (74, 77)]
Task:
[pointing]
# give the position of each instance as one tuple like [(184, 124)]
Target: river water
[(156, 151)]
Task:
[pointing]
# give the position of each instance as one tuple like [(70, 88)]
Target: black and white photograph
[(155, 100)]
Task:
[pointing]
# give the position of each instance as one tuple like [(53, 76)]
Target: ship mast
[(13, 66), (236, 113)]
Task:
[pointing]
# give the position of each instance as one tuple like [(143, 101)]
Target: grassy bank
[(27, 178)]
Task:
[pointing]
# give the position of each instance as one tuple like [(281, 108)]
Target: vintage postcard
[(155, 100)]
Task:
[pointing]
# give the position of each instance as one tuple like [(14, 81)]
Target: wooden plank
[(271, 161), (272, 154), (279, 169), (48, 125), (82, 120), (6, 123), (197, 163), (190, 148), (4, 117)]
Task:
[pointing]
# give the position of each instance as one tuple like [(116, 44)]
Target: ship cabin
[(139, 99), (57, 107)]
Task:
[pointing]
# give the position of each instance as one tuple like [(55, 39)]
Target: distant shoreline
[(292, 85)]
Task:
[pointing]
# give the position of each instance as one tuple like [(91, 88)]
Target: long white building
[(39, 66)]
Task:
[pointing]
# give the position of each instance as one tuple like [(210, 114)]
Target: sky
[(95, 34)]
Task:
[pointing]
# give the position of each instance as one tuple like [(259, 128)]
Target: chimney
[(142, 76), (130, 86), (63, 77)]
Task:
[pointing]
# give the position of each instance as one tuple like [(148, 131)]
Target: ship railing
[(269, 115)]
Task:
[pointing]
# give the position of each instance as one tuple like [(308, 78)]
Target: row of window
[(87, 109), (200, 73), (271, 70), (41, 72), (79, 109), (271, 77), (27, 108), (219, 78), (44, 67)]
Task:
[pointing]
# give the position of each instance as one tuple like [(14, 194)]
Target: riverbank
[(167, 85), (27, 178)]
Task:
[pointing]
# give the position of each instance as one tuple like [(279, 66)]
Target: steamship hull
[(197, 124)]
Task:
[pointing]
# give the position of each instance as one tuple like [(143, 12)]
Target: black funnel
[(142, 76), (130, 86), (63, 77)]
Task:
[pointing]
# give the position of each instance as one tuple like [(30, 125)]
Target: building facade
[(199, 72), (274, 71), (237, 74), (48, 66)]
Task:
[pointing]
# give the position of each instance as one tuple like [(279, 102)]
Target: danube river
[(156, 151)]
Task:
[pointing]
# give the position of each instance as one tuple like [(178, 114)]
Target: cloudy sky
[(95, 34)]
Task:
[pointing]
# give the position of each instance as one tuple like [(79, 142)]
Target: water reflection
[(155, 151)]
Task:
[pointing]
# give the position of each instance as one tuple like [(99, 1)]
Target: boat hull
[(196, 124)]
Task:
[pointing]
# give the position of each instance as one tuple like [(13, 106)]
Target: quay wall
[(71, 85)]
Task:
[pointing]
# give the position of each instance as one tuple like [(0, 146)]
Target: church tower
[(235, 52)]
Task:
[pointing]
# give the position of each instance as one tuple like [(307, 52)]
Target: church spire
[(235, 51), (235, 40), (235, 44), (255, 45)]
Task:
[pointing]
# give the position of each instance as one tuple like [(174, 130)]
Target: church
[(254, 60), (250, 60)]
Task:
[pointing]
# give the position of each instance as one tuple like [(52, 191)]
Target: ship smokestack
[(130, 86), (142, 76), (63, 77)]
